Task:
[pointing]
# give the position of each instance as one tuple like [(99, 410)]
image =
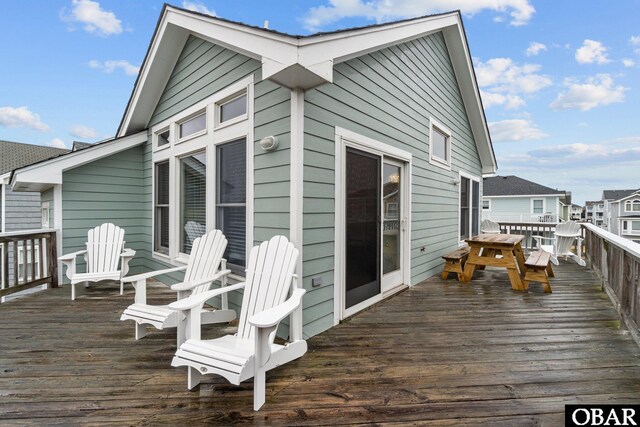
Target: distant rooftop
[(15, 155), (512, 185), (79, 145), (616, 194)]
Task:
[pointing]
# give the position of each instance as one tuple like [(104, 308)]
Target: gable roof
[(299, 62), (15, 155), (514, 186), (617, 194), (79, 145)]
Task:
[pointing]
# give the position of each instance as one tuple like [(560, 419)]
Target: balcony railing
[(528, 230), (617, 261), (27, 259), (518, 217)]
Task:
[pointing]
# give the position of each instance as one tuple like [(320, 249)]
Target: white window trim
[(544, 206), (155, 135), (206, 140), (630, 231), (486, 200), (630, 203), (217, 123), (463, 174), (45, 218), (434, 160)]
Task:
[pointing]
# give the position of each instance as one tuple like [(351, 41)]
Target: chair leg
[(259, 380), (141, 331), (193, 377), (73, 291), (121, 287)]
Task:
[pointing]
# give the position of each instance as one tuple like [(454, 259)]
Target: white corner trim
[(296, 181), (57, 224), (3, 204)]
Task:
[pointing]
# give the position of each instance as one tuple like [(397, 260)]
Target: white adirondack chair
[(200, 273), (490, 227), (251, 352), (105, 250), (565, 235)]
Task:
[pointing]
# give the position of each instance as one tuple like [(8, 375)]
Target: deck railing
[(523, 218), (617, 261), (27, 259), (528, 230)]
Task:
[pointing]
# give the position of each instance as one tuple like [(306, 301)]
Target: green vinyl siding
[(202, 70), (107, 190), (388, 96)]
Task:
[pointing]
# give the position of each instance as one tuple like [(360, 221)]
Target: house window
[(486, 205), (231, 198), (193, 194), (439, 145), (632, 206), (469, 207), (162, 138), (193, 126), (234, 108), (203, 183), (161, 208), (45, 215), (537, 206)]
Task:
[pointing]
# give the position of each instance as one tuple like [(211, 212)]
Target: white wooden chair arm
[(569, 235), (538, 238), (273, 316), (198, 300), (71, 256), (186, 286), (145, 276), (127, 253)]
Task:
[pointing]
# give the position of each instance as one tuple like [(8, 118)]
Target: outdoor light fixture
[(456, 181), (269, 143)]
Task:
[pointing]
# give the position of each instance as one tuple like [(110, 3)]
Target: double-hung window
[(439, 145), (537, 206), (201, 160), (469, 206), (632, 206)]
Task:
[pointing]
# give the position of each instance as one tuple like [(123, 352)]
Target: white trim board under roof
[(299, 62), (43, 175)]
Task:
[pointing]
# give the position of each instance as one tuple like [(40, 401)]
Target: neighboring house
[(365, 147), (79, 145), (564, 208), (575, 212), (513, 199), (21, 210), (594, 212), (622, 213)]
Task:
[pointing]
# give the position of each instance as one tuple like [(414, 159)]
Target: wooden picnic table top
[(507, 240)]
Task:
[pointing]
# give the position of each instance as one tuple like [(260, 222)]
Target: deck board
[(440, 353)]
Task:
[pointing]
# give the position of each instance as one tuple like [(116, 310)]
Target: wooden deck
[(442, 353)]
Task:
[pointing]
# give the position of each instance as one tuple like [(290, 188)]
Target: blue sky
[(560, 79)]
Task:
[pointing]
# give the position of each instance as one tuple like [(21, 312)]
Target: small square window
[(486, 205), (538, 206), (234, 108), (163, 137), (439, 145), (194, 125)]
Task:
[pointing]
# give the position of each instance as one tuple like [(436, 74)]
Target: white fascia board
[(522, 195), (465, 76), (4, 179), (45, 174)]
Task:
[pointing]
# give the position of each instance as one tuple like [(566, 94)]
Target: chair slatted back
[(566, 233), (490, 227), (104, 246), (269, 276), (205, 257)]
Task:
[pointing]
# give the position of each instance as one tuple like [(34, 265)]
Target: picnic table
[(483, 251)]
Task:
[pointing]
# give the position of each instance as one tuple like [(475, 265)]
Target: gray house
[(622, 213), (514, 199), (365, 147), (20, 210)]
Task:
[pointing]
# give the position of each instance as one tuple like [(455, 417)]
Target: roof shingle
[(15, 155), (514, 186)]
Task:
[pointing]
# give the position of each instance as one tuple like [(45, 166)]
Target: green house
[(365, 147)]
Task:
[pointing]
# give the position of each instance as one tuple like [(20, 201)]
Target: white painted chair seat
[(105, 256), (205, 266), (566, 234), (489, 227), (251, 352)]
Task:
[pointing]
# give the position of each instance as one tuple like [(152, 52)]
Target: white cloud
[(80, 131), (13, 117), (515, 130), (57, 143), (93, 17), (510, 102), (111, 66), (197, 7), (634, 40), (628, 62), (592, 52), (594, 92), (535, 48), (520, 11), (504, 75)]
